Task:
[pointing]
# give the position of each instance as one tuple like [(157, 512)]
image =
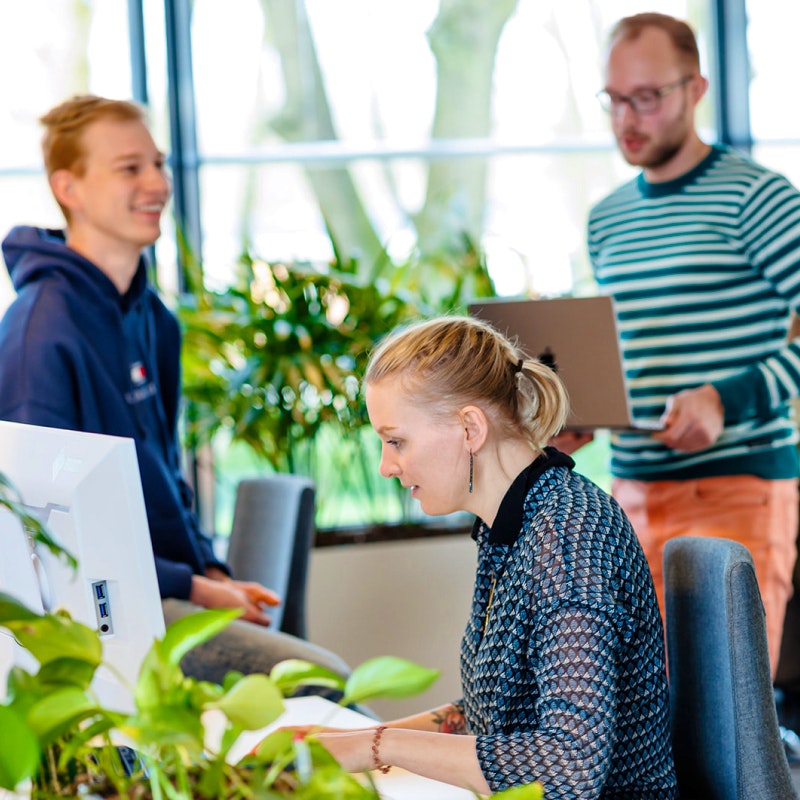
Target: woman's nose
[(387, 468)]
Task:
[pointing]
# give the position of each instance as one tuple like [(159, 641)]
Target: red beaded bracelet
[(376, 756)]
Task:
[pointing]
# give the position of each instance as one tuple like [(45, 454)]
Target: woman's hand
[(445, 757), (352, 749), (317, 731)]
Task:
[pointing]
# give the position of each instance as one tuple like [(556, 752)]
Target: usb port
[(102, 608)]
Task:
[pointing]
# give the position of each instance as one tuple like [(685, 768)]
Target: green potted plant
[(274, 360), (56, 739)]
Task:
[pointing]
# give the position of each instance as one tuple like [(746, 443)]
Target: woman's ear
[(476, 427)]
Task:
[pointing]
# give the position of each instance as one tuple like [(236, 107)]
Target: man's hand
[(217, 590), (693, 420), (570, 441)]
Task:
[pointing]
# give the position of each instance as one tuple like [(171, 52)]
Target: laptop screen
[(576, 336)]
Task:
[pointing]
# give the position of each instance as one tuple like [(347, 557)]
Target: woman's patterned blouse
[(562, 662)]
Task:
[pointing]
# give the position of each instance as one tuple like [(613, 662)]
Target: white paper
[(397, 784)]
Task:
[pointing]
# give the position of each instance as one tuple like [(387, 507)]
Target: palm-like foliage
[(280, 353)]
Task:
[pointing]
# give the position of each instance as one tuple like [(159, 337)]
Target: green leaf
[(79, 739), (160, 672), (387, 676), (230, 679), (10, 498), (155, 680), (333, 783), (23, 689), (293, 672), (67, 671), (60, 710), (11, 610), (320, 756), (254, 702), (212, 781), (165, 726), (202, 694), (275, 746), (19, 750), (51, 636), (187, 632)]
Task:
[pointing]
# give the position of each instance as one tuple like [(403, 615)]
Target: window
[(773, 59), (49, 51), (380, 127), (384, 122), (390, 126)]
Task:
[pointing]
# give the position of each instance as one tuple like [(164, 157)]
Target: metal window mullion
[(184, 158), (732, 67), (136, 39)]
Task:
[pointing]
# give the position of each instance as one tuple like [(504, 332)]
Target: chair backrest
[(725, 731), (271, 538)]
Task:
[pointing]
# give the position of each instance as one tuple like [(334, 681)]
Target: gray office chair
[(271, 538), (725, 732)]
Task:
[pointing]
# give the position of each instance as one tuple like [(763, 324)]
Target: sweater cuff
[(743, 395), (174, 579)]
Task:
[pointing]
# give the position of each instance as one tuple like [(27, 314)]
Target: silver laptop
[(577, 336)]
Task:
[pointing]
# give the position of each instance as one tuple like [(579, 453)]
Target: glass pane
[(783, 157), (24, 200), (536, 209), (285, 83), (774, 61), (49, 50), (275, 71), (271, 205)]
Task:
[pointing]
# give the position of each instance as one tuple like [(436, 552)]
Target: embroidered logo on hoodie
[(138, 373), (142, 389)]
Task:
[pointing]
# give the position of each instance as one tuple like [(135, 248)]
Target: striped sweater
[(704, 271)]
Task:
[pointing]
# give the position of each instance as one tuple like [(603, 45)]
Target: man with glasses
[(701, 253)]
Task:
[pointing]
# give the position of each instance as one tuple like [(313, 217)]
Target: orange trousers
[(760, 514)]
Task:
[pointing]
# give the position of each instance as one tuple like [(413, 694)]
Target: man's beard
[(663, 154), (675, 136)]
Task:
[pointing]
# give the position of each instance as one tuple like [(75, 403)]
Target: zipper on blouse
[(489, 604)]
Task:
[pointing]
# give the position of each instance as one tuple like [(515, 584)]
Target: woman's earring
[(470, 471)]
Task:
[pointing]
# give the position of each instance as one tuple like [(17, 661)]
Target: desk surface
[(395, 785)]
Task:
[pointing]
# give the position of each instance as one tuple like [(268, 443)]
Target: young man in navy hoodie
[(88, 345)]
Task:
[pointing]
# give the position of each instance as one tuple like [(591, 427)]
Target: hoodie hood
[(32, 254)]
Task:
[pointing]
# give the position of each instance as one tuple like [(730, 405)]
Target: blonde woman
[(562, 660)]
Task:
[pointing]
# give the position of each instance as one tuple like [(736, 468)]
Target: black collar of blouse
[(508, 522)]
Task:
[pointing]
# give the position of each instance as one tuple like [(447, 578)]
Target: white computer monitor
[(87, 489), (17, 577)]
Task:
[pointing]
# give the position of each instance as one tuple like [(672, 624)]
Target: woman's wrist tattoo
[(450, 719)]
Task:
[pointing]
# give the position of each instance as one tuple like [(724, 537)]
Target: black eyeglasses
[(642, 101)]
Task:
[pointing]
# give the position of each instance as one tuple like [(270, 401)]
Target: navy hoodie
[(76, 354)]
